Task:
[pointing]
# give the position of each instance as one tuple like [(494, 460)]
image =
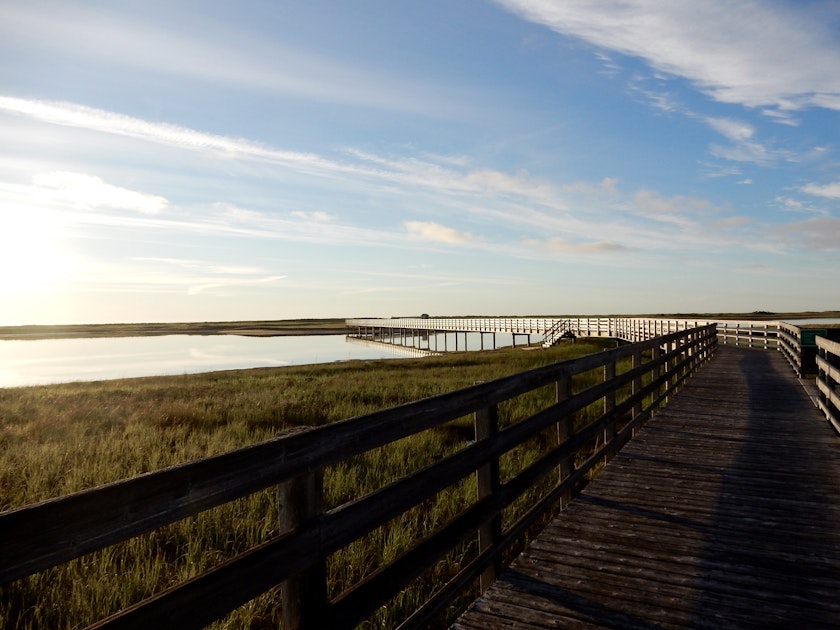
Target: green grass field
[(60, 439)]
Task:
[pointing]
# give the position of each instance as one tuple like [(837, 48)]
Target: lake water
[(48, 361)]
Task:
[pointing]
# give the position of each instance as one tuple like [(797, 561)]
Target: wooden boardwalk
[(724, 512)]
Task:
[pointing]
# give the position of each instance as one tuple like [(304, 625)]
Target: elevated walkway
[(721, 513)]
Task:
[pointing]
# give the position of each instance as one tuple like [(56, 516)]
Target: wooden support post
[(636, 387), (822, 377), (656, 371), (487, 481), (563, 389), (609, 403), (304, 596)]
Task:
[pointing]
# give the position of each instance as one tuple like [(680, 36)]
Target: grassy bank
[(63, 438), (251, 328)]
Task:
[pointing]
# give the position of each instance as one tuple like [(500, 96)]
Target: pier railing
[(632, 381), (740, 333), (828, 379)]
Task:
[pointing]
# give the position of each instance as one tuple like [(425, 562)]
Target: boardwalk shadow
[(764, 563), (586, 607)]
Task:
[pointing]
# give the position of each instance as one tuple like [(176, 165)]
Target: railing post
[(636, 388), (563, 389), (657, 369), (822, 377), (304, 596), (487, 483), (609, 403)]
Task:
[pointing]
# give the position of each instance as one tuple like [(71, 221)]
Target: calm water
[(48, 361), (62, 360)]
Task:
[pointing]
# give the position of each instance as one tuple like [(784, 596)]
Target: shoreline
[(279, 328), (296, 327)]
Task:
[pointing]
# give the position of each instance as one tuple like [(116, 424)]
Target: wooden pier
[(718, 507), (722, 513)]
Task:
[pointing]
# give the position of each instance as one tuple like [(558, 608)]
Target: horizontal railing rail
[(790, 346), (828, 379), (634, 380)]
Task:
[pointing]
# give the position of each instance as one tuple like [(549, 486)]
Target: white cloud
[(756, 54), (440, 178), (675, 209), (315, 217), (733, 222), (829, 191), (561, 245), (80, 116), (89, 192), (194, 46), (752, 152), (430, 231), (231, 282), (735, 130), (608, 185)]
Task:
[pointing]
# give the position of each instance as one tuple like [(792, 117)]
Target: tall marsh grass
[(59, 439)]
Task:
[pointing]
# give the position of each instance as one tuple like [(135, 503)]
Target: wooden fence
[(790, 346), (637, 378), (740, 333), (828, 379)]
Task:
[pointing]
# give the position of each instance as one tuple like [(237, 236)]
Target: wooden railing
[(790, 346), (637, 378), (828, 379), (741, 333)]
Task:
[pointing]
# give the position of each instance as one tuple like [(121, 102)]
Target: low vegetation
[(60, 439), (251, 328)]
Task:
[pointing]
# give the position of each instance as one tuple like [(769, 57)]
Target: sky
[(270, 159)]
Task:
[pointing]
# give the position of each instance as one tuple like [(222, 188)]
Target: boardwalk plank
[(722, 513)]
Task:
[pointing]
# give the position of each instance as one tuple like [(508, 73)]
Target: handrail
[(828, 379), (740, 333), (558, 329), (790, 346), (47, 534)]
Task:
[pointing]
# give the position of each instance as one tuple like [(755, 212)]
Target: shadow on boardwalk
[(777, 511), (722, 513)]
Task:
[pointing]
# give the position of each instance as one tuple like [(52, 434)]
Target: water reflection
[(62, 360)]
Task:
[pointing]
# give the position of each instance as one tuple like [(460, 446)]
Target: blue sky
[(209, 161)]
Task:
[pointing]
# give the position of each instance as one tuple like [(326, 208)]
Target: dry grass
[(63, 438)]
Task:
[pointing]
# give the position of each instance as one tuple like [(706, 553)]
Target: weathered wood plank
[(722, 512)]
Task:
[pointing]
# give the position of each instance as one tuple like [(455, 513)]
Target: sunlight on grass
[(59, 439)]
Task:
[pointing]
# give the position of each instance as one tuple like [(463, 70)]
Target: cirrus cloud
[(431, 231), (757, 54), (90, 192), (829, 191)]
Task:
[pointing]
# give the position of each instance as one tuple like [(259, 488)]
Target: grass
[(63, 438), (251, 328)]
